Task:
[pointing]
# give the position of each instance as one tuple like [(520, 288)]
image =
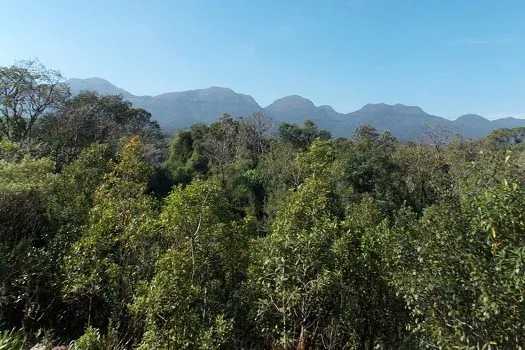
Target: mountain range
[(176, 110)]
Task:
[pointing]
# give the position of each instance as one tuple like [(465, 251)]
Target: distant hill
[(295, 109), (406, 122), (99, 85), (176, 110), (181, 109)]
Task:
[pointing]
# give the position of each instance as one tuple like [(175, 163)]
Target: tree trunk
[(301, 345)]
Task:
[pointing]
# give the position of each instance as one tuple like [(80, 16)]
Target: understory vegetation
[(243, 234)]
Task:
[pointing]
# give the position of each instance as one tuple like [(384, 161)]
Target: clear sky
[(450, 57)]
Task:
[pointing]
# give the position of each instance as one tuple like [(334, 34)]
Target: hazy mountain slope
[(97, 84), (296, 109), (405, 122), (507, 123), (181, 109), (473, 125)]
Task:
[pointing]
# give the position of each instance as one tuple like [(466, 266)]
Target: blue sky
[(450, 57)]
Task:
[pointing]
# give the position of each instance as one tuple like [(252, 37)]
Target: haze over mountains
[(176, 110)]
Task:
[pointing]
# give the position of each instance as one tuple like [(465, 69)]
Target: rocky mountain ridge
[(175, 110)]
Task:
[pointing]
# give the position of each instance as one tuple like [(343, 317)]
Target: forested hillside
[(243, 234)]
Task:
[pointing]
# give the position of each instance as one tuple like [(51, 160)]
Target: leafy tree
[(28, 90), (368, 305), (505, 138), (191, 300), (368, 166), (292, 273), (105, 265), (284, 168), (231, 141), (301, 138), (319, 278), (10, 152), (180, 149), (87, 118), (425, 176), (25, 231), (72, 197), (459, 269), (41, 214)]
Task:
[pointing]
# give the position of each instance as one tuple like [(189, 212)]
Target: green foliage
[(283, 168), (105, 265), (459, 269), (25, 187), (25, 175), (294, 271), (192, 294), (293, 264), (9, 151), (424, 175), (319, 278), (505, 138), (243, 240), (185, 158), (12, 340), (90, 340), (93, 340), (368, 166), (370, 307), (180, 149), (299, 137), (87, 118), (76, 184)]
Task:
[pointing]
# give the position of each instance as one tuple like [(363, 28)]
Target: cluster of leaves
[(241, 236)]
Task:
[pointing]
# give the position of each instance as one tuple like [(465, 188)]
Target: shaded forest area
[(245, 235)]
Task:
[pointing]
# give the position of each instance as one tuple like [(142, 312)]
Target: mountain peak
[(92, 81), (386, 108), (181, 109), (372, 107), (98, 80), (219, 89), (292, 101), (327, 108), (102, 86), (471, 118), (212, 93)]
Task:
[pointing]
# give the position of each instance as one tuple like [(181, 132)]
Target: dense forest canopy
[(243, 234)]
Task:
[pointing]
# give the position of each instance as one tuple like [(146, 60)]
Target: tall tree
[(25, 231), (460, 268), (191, 301), (89, 117), (27, 91), (105, 265), (301, 137)]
